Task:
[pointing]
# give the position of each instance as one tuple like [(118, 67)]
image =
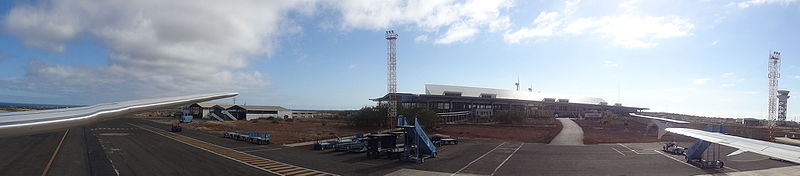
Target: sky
[(702, 57)]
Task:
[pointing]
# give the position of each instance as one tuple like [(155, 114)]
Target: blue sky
[(698, 57)]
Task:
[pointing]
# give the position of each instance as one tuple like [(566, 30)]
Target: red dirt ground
[(539, 131), (616, 132), (283, 132), (636, 132)]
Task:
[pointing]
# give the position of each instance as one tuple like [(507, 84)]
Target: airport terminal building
[(482, 102)]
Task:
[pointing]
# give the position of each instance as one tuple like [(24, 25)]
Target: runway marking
[(682, 162), (271, 166), (95, 129), (245, 147), (55, 153), (690, 165), (634, 151), (473, 161), (260, 150), (504, 161), (618, 151)]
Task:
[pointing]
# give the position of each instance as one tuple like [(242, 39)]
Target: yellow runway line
[(55, 152)]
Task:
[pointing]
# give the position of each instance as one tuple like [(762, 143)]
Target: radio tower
[(774, 65), (391, 60)]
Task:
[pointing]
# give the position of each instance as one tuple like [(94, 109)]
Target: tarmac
[(143, 147)]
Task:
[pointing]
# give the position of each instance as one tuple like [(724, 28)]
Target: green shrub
[(509, 116), (425, 116), (369, 117)]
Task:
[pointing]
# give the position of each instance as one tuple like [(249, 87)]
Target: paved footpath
[(571, 133)]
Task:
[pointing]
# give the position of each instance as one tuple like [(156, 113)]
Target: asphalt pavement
[(570, 134), (137, 147)]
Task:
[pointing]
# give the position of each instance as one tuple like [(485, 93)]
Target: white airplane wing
[(774, 150), (33, 122), (658, 118)]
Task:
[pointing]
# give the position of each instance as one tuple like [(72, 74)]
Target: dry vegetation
[(531, 130), (283, 132)]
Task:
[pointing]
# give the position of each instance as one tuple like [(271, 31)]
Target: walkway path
[(571, 133)]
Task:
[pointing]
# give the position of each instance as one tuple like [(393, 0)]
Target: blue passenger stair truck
[(418, 145), (710, 160)]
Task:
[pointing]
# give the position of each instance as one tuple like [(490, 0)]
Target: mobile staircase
[(694, 155), (214, 115), (417, 145), (222, 115), (230, 116)]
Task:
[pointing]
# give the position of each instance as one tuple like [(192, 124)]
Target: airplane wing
[(775, 150), (658, 118), (33, 122)]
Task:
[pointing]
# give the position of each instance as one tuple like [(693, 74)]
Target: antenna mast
[(774, 66), (391, 37)]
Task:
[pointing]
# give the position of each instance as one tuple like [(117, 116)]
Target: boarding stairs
[(418, 145), (214, 115), (224, 115), (695, 153)]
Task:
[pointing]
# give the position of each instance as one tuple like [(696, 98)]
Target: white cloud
[(728, 75), (715, 42), (624, 30), (154, 47), (571, 6), (701, 81), (352, 66), (728, 85), (746, 4), (641, 32), (797, 77), (457, 33), (545, 24), (421, 38), (629, 5), (45, 30), (461, 19), (610, 64)]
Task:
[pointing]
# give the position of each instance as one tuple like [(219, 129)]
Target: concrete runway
[(135, 147)]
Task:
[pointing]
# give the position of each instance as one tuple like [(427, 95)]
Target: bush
[(369, 117), (509, 116), (373, 117), (425, 116)]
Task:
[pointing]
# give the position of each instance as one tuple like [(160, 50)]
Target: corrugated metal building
[(259, 112), (239, 112)]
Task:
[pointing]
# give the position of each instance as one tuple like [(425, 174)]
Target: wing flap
[(775, 150), (659, 118)]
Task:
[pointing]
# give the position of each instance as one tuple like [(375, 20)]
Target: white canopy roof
[(433, 89)]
